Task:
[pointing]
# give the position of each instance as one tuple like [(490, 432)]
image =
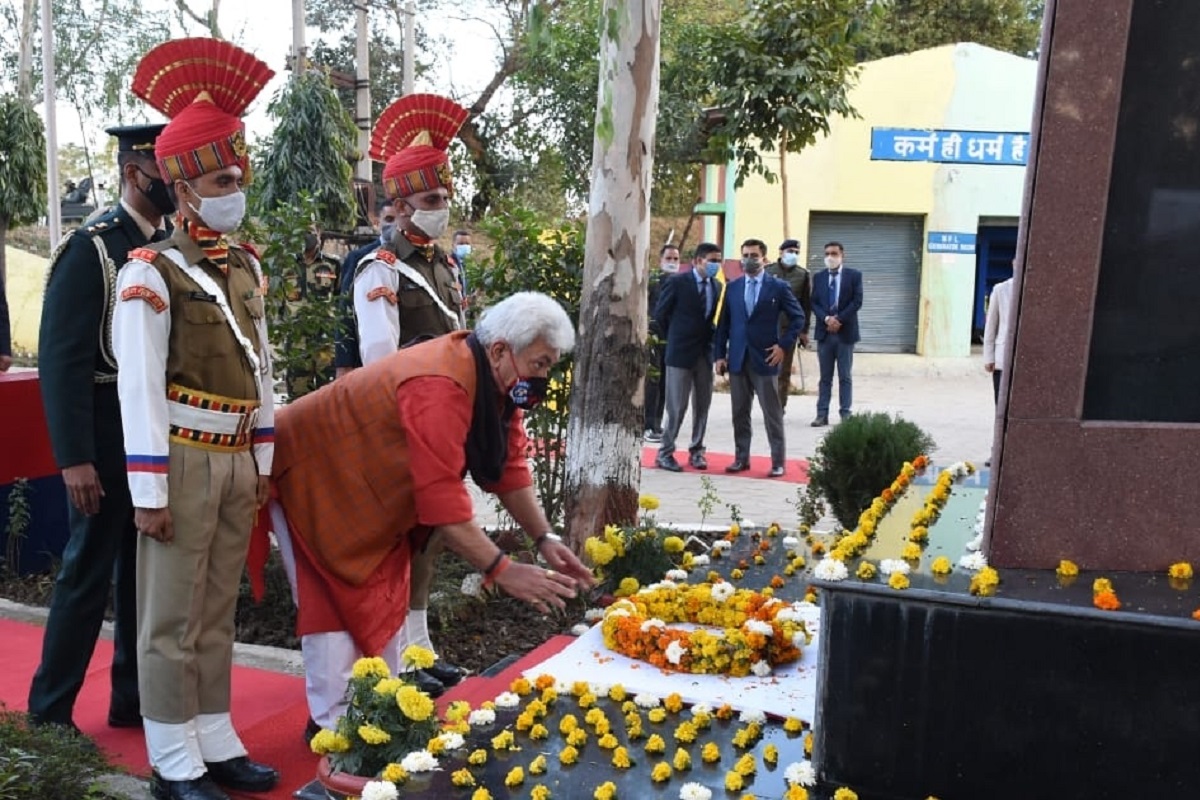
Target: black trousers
[(656, 395)]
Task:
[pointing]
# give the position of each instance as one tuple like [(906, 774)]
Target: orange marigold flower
[(777, 581), (1106, 600)]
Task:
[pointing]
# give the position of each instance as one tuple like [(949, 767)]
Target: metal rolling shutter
[(886, 248)]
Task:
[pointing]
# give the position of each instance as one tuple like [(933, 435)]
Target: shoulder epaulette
[(143, 254), (249, 248), (386, 256)]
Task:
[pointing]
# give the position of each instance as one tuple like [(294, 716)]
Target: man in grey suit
[(684, 314)]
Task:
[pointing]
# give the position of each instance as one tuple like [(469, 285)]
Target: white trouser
[(328, 657), (177, 751)]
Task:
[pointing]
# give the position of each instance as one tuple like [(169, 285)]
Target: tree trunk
[(29, 11), (604, 433)]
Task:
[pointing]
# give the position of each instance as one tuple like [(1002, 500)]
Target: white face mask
[(833, 262), (669, 266), (223, 213), (432, 223)]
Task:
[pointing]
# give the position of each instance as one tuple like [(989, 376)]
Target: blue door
[(995, 249)]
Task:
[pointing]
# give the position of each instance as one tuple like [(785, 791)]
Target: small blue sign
[(949, 147), (945, 242)]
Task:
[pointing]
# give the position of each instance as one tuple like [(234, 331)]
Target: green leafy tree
[(904, 26), (779, 75), (22, 168)]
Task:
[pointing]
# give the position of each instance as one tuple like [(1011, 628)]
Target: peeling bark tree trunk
[(604, 433)]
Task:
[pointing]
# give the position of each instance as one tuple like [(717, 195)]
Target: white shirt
[(997, 329)]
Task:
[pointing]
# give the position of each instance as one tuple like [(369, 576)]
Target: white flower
[(702, 710), (380, 790), (580, 629), (789, 614), (830, 569), (647, 589), (799, 640), (694, 791), (751, 715), (802, 773), (700, 561), (790, 541), (507, 700), (472, 585), (675, 652), (419, 761), (758, 626), (772, 602), (720, 546), (562, 687), (722, 591), (452, 740), (977, 542), (975, 561), (761, 668), (667, 583), (679, 575), (646, 700), (617, 612), (593, 614), (482, 716), (889, 566), (651, 624)]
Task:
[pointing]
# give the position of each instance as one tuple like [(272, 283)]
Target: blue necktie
[(751, 296), (833, 289), (705, 295)]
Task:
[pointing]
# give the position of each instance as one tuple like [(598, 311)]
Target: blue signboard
[(946, 242), (949, 147)]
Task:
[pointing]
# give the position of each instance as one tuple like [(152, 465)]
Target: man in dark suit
[(837, 295), (78, 373), (346, 356), (750, 346), (684, 315), (656, 370)]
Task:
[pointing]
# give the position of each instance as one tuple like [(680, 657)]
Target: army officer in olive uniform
[(78, 375)]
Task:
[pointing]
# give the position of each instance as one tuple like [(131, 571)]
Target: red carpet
[(269, 710), (796, 468)]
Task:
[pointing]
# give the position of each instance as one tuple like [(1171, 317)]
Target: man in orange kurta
[(368, 467)]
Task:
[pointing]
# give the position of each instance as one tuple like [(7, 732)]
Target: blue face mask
[(711, 268), (790, 259), (461, 251)]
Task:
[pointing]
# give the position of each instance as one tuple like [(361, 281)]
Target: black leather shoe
[(201, 788), (446, 673), (668, 463), (698, 461), (820, 422), (123, 718), (738, 466), (425, 682), (311, 729), (776, 472), (243, 775)]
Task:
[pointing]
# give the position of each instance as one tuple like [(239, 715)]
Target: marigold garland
[(755, 628)]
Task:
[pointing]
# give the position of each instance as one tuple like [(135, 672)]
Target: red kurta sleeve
[(516, 467), (436, 415)]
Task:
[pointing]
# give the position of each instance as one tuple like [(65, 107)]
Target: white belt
[(209, 420)]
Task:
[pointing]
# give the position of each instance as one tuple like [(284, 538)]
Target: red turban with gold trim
[(411, 137), (203, 86)]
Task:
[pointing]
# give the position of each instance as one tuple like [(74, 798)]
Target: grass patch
[(48, 761)]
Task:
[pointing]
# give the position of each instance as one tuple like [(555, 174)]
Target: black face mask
[(526, 392), (158, 195)]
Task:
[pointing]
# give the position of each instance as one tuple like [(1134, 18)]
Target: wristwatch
[(548, 535)]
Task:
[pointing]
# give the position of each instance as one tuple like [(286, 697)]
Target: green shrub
[(860, 457), (46, 761)]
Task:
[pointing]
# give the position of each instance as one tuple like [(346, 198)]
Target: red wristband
[(498, 566)]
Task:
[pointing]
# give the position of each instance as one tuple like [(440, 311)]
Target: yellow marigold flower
[(521, 686), (374, 667), (329, 742), (477, 757), (481, 794), (577, 737), (710, 753), (503, 740), (656, 744), (462, 777), (682, 760), (435, 745), (539, 792), (415, 704), (673, 702), (388, 686), (796, 792), (603, 726), (1067, 569), (418, 657), (773, 529), (605, 791), (746, 765), (628, 586), (587, 700), (818, 548), (1101, 585), (919, 534), (568, 723), (608, 741), (1180, 571), (735, 574), (372, 734), (568, 755), (866, 570), (538, 765), (620, 758), (647, 502), (686, 733), (539, 731), (616, 693), (661, 772), (593, 716), (898, 580), (515, 777), (844, 793), (810, 597), (759, 560), (598, 552), (941, 566), (733, 782), (911, 551), (798, 562), (984, 582), (793, 725), (735, 529), (657, 714), (673, 544), (458, 711), (808, 743), (580, 688), (770, 754)]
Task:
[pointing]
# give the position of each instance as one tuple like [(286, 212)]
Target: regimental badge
[(382, 291), (238, 142), (145, 293), (443, 174), (386, 256)]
